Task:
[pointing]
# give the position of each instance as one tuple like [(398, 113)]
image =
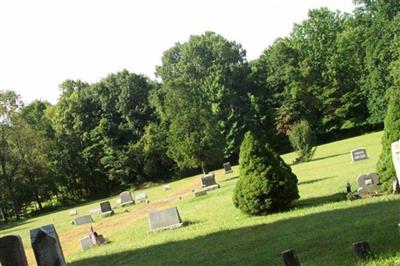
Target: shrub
[(302, 140), (391, 134), (266, 182)]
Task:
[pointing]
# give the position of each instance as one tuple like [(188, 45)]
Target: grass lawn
[(320, 226)]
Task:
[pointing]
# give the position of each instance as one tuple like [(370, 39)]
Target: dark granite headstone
[(86, 219), (227, 167), (12, 251), (126, 198), (46, 246), (368, 183), (208, 182), (105, 209), (358, 154), (164, 219)]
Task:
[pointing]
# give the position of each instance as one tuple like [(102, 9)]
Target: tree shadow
[(323, 238), (311, 202), (230, 179), (12, 224), (316, 180), (329, 156)]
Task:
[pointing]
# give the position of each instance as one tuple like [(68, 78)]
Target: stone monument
[(227, 167), (12, 251), (208, 182), (46, 246), (358, 154), (164, 219)]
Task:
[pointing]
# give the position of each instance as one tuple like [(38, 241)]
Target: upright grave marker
[(126, 198), (164, 219), (12, 251), (105, 209), (227, 167), (46, 246), (86, 219), (358, 154), (208, 182), (142, 197), (368, 184)]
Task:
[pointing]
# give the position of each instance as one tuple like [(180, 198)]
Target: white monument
[(396, 158)]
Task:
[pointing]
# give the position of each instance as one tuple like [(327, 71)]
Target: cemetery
[(322, 187), (161, 149)]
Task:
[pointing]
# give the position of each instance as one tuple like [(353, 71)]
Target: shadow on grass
[(316, 180), (329, 156), (323, 238), (231, 178), (12, 224), (304, 203)]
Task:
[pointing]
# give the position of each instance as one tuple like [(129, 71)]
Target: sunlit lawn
[(321, 226)]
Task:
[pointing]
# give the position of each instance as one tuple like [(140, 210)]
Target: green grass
[(320, 226)]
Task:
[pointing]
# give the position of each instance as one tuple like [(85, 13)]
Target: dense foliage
[(266, 182), (334, 70), (302, 140)]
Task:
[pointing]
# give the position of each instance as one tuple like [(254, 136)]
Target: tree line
[(334, 71)]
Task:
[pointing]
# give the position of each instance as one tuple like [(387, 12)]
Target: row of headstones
[(45, 244), (361, 250)]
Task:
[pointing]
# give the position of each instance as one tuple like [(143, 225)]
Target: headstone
[(86, 243), (166, 187), (73, 212), (95, 210), (358, 154), (361, 249), (200, 193), (118, 201), (46, 246), (395, 147), (126, 198), (12, 251), (86, 219), (142, 197), (227, 167), (208, 182), (368, 184), (105, 209), (290, 258), (164, 219)]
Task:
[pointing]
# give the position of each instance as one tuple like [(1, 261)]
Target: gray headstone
[(359, 154), (126, 198), (83, 220), (73, 212), (208, 180), (200, 193), (142, 197), (227, 167), (395, 147), (105, 208), (164, 219), (12, 251), (46, 246), (368, 183), (86, 243)]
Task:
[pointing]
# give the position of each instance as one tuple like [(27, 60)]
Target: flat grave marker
[(358, 155), (46, 246), (200, 193), (164, 219)]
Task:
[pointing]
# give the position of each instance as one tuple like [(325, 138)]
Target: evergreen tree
[(266, 182)]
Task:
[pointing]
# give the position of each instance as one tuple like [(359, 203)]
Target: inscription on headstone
[(368, 183), (12, 251), (126, 198), (395, 147), (227, 167), (359, 154), (105, 209), (83, 220), (164, 219), (46, 246)]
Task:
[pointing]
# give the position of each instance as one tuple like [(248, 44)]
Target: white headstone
[(396, 158), (73, 212), (142, 197), (166, 187)]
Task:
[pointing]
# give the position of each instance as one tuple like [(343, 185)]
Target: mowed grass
[(320, 226)]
